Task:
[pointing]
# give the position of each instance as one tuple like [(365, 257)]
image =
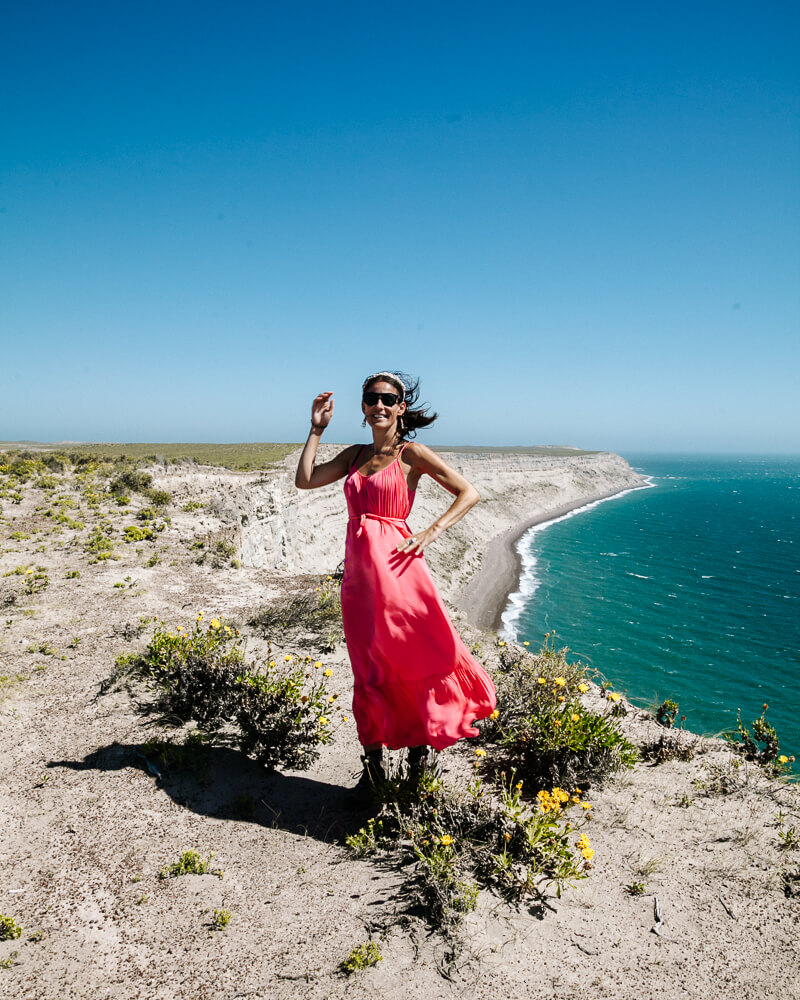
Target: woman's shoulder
[(413, 451)]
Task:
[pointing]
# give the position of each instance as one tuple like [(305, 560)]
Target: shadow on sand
[(226, 784)]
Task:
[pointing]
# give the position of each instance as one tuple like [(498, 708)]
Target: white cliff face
[(280, 528)]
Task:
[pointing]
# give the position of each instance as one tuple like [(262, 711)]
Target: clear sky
[(578, 223)]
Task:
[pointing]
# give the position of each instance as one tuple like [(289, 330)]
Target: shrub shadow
[(226, 784)]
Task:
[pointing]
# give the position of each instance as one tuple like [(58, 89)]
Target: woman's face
[(381, 415)]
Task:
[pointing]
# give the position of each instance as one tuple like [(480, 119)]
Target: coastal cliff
[(286, 530)]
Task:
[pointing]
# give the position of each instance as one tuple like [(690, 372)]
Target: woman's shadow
[(225, 783)]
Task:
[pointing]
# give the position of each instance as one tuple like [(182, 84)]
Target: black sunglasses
[(387, 398)]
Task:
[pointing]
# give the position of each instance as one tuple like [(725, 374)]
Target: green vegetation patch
[(541, 727), (363, 956), (244, 456), (190, 863), (277, 711)]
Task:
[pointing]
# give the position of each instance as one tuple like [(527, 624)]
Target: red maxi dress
[(415, 681)]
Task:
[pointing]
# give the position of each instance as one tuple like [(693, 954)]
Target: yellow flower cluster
[(480, 752), (446, 840), (552, 801), (495, 714), (582, 843)]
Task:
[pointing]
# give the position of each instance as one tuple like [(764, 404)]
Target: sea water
[(688, 589)]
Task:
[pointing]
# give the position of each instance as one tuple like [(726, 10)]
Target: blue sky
[(577, 223)]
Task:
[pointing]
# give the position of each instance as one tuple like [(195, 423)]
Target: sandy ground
[(85, 826)]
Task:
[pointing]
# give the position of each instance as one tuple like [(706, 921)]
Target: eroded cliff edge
[(283, 529)]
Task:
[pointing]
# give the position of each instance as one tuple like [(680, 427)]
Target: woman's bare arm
[(423, 461), (309, 475)]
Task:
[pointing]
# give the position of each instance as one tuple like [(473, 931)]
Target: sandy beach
[(86, 825)]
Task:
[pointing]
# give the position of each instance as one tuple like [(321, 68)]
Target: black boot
[(420, 761), (372, 777)]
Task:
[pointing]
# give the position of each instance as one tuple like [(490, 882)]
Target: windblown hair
[(408, 387)]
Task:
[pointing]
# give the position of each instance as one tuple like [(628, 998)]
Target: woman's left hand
[(414, 545)]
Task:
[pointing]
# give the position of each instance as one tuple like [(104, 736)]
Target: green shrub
[(99, 545), (133, 533), (363, 956), (131, 481), (542, 728), (9, 929), (192, 505), (569, 746), (221, 919), (666, 713), (159, 497), (278, 714), (190, 863), (450, 841), (761, 745)]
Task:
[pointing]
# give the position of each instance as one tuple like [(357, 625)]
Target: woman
[(415, 684)]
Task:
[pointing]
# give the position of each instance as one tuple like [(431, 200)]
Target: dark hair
[(415, 416)]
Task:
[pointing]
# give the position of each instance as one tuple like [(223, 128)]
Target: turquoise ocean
[(688, 589)]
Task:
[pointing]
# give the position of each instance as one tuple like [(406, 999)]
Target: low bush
[(9, 928), (569, 746), (363, 956), (542, 728), (278, 714), (130, 481), (451, 842), (760, 745), (190, 863)]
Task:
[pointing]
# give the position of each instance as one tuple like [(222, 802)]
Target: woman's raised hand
[(322, 410)]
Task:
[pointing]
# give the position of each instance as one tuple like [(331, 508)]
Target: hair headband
[(389, 376)]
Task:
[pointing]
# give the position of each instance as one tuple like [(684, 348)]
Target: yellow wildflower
[(561, 697), (518, 786), (318, 664), (228, 630), (575, 717), (215, 623), (540, 680), (560, 795), (480, 752), (332, 699), (613, 696), (447, 840), (507, 836), (345, 718), (287, 658), (501, 643), (783, 759), (560, 682), (495, 714), (583, 688), (556, 722), (585, 805), (323, 720), (526, 643), (272, 663), (327, 673)]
